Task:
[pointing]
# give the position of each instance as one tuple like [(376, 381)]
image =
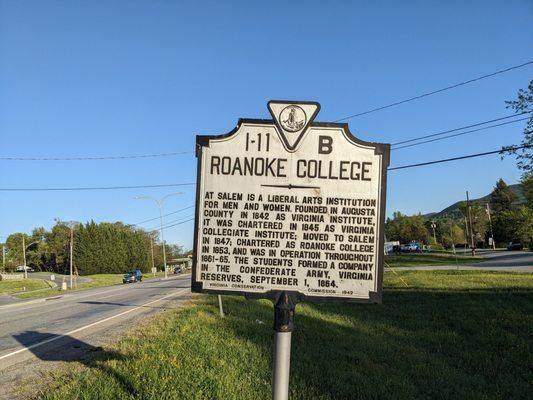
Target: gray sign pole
[(283, 325), (220, 306)]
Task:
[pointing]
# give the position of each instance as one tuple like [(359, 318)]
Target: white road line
[(88, 326)]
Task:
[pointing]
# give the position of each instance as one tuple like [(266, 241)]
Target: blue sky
[(85, 78)]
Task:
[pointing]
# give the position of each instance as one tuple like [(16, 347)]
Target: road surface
[(510, 261), (39, 333)]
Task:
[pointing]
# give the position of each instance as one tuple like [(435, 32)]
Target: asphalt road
[(63, 329), (513, 261)]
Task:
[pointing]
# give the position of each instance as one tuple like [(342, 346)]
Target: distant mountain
[(454, 212)]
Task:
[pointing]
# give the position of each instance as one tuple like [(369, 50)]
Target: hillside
[(454, 212)]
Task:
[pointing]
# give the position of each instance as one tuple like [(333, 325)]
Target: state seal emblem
[(292, 118)]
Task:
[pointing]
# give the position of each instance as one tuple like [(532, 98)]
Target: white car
[(21, 268)]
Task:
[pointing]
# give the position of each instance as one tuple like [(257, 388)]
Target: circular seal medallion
[(292, 118)]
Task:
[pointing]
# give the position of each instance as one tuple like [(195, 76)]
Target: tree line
[(98, 248), (509, 220)]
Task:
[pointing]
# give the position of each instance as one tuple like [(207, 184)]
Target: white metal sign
[(290, 205)]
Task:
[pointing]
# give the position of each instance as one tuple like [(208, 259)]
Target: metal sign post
[(290, 210), (220, 309), (283, 325)]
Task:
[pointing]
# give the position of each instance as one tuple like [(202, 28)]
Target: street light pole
[(471, 225), (152, 251), (71, 245), (434, 225), (71, 225), (24, 256), (160, 206), (490, 225), (160, 203)]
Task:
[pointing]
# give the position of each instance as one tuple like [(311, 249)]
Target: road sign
[(290, 205)]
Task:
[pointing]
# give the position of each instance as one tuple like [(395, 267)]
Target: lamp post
[(433, 226), (490, 225), (160, 202), (71, 225), (24, 247), (152, 251)]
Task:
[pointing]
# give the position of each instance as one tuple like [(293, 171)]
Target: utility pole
[(160, 203), (24, 254), (152, 251), (490, 226), (71, 225), (71, 245), (433, 226), (3, 257), (466, 235), (24, 257), (453, 243), (471, 226)]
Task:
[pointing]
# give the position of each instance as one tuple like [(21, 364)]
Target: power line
[(164, 215), (458, 134), (156, 228), (435, 91), (93, 158), (170, 226), (94, 188), (179, 223), (511, 148), (460, 128)]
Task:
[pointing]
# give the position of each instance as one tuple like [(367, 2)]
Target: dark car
[(133, 276), (177, 270), (515, 244)]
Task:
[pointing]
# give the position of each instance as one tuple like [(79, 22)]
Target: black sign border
[(382, 149), (309, 121)]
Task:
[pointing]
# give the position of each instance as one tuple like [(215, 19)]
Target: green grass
[(438, 335), (425, 259), (10, 287), (97, 280)]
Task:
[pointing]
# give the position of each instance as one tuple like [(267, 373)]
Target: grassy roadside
[(10, 287), (448, 334), (97, 280), (431, 259)]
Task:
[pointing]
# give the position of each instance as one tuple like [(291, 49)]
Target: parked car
[(20, 268), (413, 247), (133, 276), (515, 244), (177, 270)]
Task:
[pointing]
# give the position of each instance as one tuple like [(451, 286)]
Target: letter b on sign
[(325, 144)]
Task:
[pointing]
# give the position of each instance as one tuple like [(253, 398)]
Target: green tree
[(448, 232), (58, 244), (527, 188), (524, 103), (502, 197), (110, 248), (14, 255), (514, 224), (480, 221), (406, 228)]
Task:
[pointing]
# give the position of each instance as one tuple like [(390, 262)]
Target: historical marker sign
[(290, 205)]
